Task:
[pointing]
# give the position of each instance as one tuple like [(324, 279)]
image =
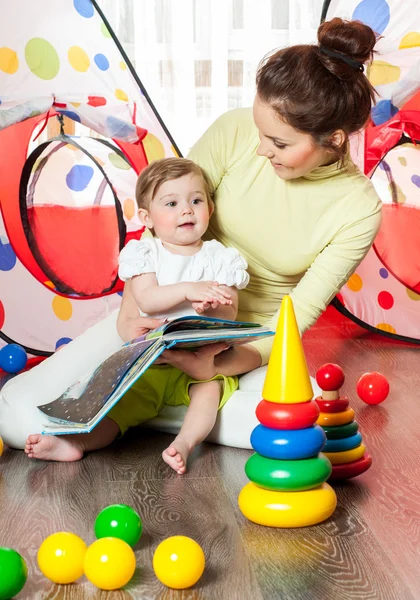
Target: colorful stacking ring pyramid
[(344, 446), (287, 472)]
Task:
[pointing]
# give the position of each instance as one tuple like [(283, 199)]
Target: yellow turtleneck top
[(302, 237)]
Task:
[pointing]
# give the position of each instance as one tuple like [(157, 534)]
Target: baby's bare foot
[(50, 447), (176, 455)]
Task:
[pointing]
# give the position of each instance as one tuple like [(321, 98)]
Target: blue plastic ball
[(13, 358)]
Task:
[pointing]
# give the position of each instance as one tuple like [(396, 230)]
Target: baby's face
[(179, 213)]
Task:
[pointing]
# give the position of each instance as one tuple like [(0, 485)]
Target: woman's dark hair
[(317, 93)]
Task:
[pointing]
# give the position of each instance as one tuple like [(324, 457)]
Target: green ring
[(341, 431), (288, 475)]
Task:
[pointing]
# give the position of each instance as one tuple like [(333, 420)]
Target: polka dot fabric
[(382, 302), (47, 320), (69, 59), (384, 292), (78, 66), (398, 48)]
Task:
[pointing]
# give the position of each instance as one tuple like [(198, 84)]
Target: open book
[(82, 406)]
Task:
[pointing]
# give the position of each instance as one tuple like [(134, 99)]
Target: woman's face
[(291, 152)]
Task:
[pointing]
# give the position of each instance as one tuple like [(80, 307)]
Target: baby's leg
[(71, 447), (199, 421)]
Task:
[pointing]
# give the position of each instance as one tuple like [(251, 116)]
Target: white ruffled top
[(213, 262)]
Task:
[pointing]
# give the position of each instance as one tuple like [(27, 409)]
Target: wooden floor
[(369, 548)]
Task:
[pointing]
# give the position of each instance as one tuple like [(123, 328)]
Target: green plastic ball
[(13, 573), (119, 521)]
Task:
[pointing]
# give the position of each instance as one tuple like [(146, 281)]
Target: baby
[(176, 274), (171, 274)]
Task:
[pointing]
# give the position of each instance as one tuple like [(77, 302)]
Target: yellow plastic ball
[(109, 563), (179, 562), (60, 557)]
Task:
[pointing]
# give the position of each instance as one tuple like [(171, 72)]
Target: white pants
[(19, 398)]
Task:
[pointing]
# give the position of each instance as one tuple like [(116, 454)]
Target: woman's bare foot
[(51, 447), (176, 455)]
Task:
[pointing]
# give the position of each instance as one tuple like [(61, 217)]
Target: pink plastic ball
[(372, 388)]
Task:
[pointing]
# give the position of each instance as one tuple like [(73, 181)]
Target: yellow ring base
[(287, 509)]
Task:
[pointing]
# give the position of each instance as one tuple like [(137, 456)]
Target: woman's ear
[(338, 138), (145, 218)]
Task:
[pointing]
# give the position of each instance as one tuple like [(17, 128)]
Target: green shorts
[(160, 385)]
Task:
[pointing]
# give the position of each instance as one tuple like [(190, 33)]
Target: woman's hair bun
[(352, 38)]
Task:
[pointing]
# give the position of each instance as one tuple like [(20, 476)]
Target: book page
[(197, 323), (216, 335), (83, 400)]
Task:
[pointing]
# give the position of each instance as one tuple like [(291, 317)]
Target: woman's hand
[(130, 328), (198, 364)]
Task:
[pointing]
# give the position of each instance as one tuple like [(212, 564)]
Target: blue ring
[(288, 444), (344, 444)]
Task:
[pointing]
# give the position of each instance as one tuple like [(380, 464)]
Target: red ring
[(351, 469), (278, 415), (332, 406)]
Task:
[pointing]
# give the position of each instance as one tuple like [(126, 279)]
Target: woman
[(287, 194)]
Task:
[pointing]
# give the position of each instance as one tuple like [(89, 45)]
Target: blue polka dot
[(383, 111), (119, 294), (101, 61), (416, 180), (385, 166), (62, 342), (70, 114), (84, 8), (119, 129), (374, 13), (7, 256), (78, 177), (383, 273)]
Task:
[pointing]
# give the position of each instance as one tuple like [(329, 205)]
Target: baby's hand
[(201, 307), (207, 292)]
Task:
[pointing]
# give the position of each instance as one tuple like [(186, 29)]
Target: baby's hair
[(167, 169), (318, 89)]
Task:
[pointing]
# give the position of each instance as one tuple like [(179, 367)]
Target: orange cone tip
[(287, 380)]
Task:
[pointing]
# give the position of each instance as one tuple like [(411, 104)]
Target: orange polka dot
[(62, 308), (355, 283), (9, 62), (386, 327), (49, 284), (129, 208)]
